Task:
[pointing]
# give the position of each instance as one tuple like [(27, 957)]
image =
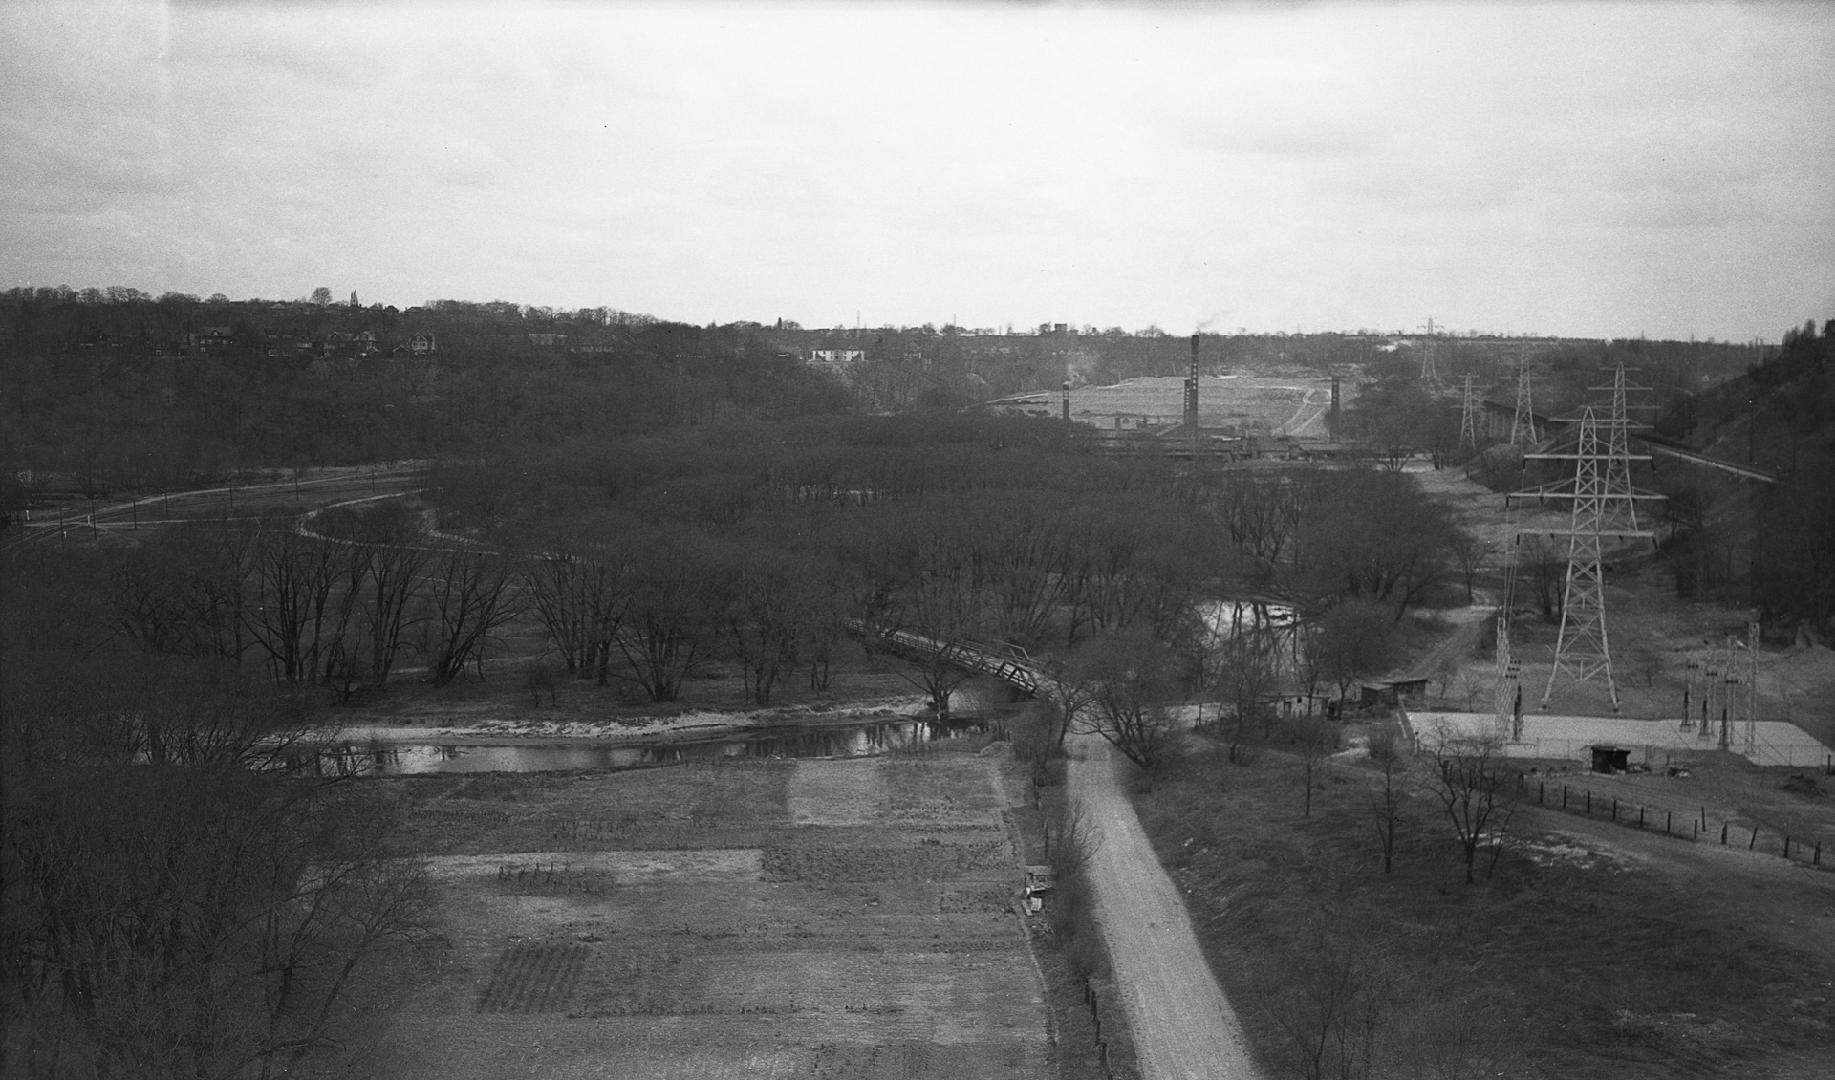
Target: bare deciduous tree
[(470, 597), (1332, 1007), (1130, 685), (1386, 804), (1352, 641), (1245, 672), (1477, 794), (680, 588), (580, 595), (1315, 736), (396, 581)]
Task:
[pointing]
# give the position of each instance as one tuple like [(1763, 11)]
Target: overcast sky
[(1578, 168)]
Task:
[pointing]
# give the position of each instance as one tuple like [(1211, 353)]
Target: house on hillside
[(210, 340), (837, 356)]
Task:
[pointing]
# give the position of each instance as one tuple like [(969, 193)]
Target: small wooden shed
[(1610, 759)]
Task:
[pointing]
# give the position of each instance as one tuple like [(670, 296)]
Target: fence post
[(1615, 809), (1541, 792), (1669, 817), (1704, 819), (1787, 845), (1754, 842), (1564, 796), (1640, 817), (1817, 860), (1589, 802), (1723, 833)]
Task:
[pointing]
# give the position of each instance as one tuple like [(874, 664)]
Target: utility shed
[(1610, 759)]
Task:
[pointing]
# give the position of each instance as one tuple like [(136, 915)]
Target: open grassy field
[(1594, 951), (816, 918)]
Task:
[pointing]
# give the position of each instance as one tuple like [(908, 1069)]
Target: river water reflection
[(801, 741)]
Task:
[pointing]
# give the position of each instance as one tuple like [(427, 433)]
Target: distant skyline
[(1589, 170)]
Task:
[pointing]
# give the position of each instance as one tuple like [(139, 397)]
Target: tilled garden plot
[(824, 918)]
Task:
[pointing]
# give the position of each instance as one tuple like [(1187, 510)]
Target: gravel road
[(1183, 1027)]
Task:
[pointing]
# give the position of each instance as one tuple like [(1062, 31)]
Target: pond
[(793, 741)]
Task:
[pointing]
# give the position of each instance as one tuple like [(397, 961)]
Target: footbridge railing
[(1012, 668)]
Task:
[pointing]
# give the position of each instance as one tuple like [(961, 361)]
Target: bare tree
[(470, 597), (580, 595), (1129, 685), (1071, 840), (396, 582), (680, 591), (930, 622), (186, 921), (1063, 698), (1386, 805), (777, 606), (293, 581), (1245, 672), (1019, 555), (1469, 552), (1315, 736), (1333, 1006), (1478, 795), (1353, 640)]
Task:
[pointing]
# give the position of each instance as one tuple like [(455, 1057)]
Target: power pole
[(1726, 700), (1752, 688)]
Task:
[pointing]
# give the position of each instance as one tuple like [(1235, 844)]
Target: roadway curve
[(1184, 1028)]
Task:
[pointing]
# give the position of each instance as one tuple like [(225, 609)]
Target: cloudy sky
[(1578, 168)]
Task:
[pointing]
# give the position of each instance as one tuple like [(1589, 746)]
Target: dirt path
[(1183, 1027)]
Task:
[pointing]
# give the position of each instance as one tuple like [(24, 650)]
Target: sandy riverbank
[(636, 730)]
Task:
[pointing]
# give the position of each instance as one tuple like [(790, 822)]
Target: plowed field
[(809, 919)]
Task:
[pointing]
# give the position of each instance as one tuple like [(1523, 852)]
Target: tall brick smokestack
[(1191, 391)]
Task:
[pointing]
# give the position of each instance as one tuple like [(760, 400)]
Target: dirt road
[(1183, 1027)]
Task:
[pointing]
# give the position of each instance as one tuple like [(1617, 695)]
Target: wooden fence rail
[(1690, 824)]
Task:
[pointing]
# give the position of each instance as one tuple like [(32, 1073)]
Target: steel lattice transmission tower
[(1523, 425), (1508, 700), (1430, 374), (1583, 651), (1622, 498), (1468, 415)]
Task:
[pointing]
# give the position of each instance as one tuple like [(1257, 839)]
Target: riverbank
[(631, 730)]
